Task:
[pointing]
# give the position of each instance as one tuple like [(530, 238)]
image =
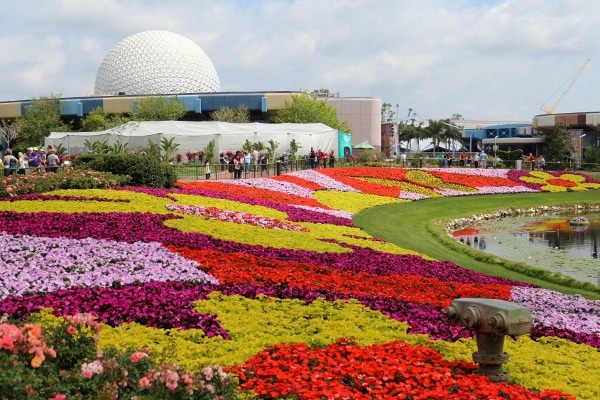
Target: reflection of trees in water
[(574, 237), (594, 237)]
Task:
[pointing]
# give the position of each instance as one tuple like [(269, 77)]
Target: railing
[(195, 171)]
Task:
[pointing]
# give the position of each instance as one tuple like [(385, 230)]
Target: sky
[(484, 59)]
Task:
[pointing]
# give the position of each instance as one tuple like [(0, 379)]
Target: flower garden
[(265, 288)]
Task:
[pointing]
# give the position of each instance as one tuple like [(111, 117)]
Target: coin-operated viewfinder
[(491, 320)]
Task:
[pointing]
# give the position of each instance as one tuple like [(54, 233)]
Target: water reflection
[(477, 242), (560, 234), (549, 242)]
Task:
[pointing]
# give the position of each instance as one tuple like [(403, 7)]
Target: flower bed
[(270, 280)]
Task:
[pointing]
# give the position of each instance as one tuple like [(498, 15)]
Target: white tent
[(195, 136)]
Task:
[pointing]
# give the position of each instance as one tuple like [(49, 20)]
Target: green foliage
[(41, 117), (169, 148), (119, 147), (74, 369), (294, 147), (305, 109), (64, 178), (241, 114), (248, 146), (96, 120), (559, 147), (143, 170), (272, 150), (591, 156), (96, 146), (159, 109), (153, 150), (60, 149), (387, 115), (209, 151)]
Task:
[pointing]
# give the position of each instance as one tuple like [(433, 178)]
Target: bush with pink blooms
[(56, 358)]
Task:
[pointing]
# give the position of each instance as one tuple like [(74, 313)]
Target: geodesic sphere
[(156, 62)]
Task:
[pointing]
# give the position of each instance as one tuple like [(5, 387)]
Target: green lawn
[(414, 226)]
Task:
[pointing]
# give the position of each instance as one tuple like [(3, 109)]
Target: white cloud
[(483, 59)]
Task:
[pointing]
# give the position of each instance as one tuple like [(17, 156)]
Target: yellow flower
[(564, 182)]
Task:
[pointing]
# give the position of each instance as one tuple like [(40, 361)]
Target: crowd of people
[(243, 161), (36, 159), (320, 158)]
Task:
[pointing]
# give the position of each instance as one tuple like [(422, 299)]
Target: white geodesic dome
[(156, 62)]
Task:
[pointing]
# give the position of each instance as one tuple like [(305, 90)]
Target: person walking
[(207, 169)]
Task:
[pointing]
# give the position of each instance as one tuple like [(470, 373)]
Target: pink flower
[(145, 382), (59, 396), (87, 374), (137, 356), (71, 330), (171, 379), (187, 380)]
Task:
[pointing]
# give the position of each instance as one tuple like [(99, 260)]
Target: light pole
[(397, 142), (580, 149), (495, 149)]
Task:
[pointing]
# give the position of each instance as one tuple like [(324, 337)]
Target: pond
[(548, 242)]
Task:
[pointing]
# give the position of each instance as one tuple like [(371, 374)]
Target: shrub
[(143, 170), (57, 358), (65, 178)]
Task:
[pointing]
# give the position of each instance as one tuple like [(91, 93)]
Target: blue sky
[(488, 60)]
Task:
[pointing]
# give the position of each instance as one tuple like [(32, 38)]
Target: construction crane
[(562, 96)]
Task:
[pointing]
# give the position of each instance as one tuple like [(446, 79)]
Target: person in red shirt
[(321, 157), (531, 160)]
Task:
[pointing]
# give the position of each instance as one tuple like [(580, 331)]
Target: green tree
[(387, 115), (272, 150), (559, 147), (294, 147), (241, 114), (152, 108), (96, 120), (41, 117), (450, 133), (305, 109), (435, 131), (209, 150), (592, 156), (169, 148), (153, 150)]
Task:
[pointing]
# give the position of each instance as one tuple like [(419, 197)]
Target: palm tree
[(450, 133), (435, 131), (410, 132)]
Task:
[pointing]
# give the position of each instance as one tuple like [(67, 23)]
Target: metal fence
[(196, 171)]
